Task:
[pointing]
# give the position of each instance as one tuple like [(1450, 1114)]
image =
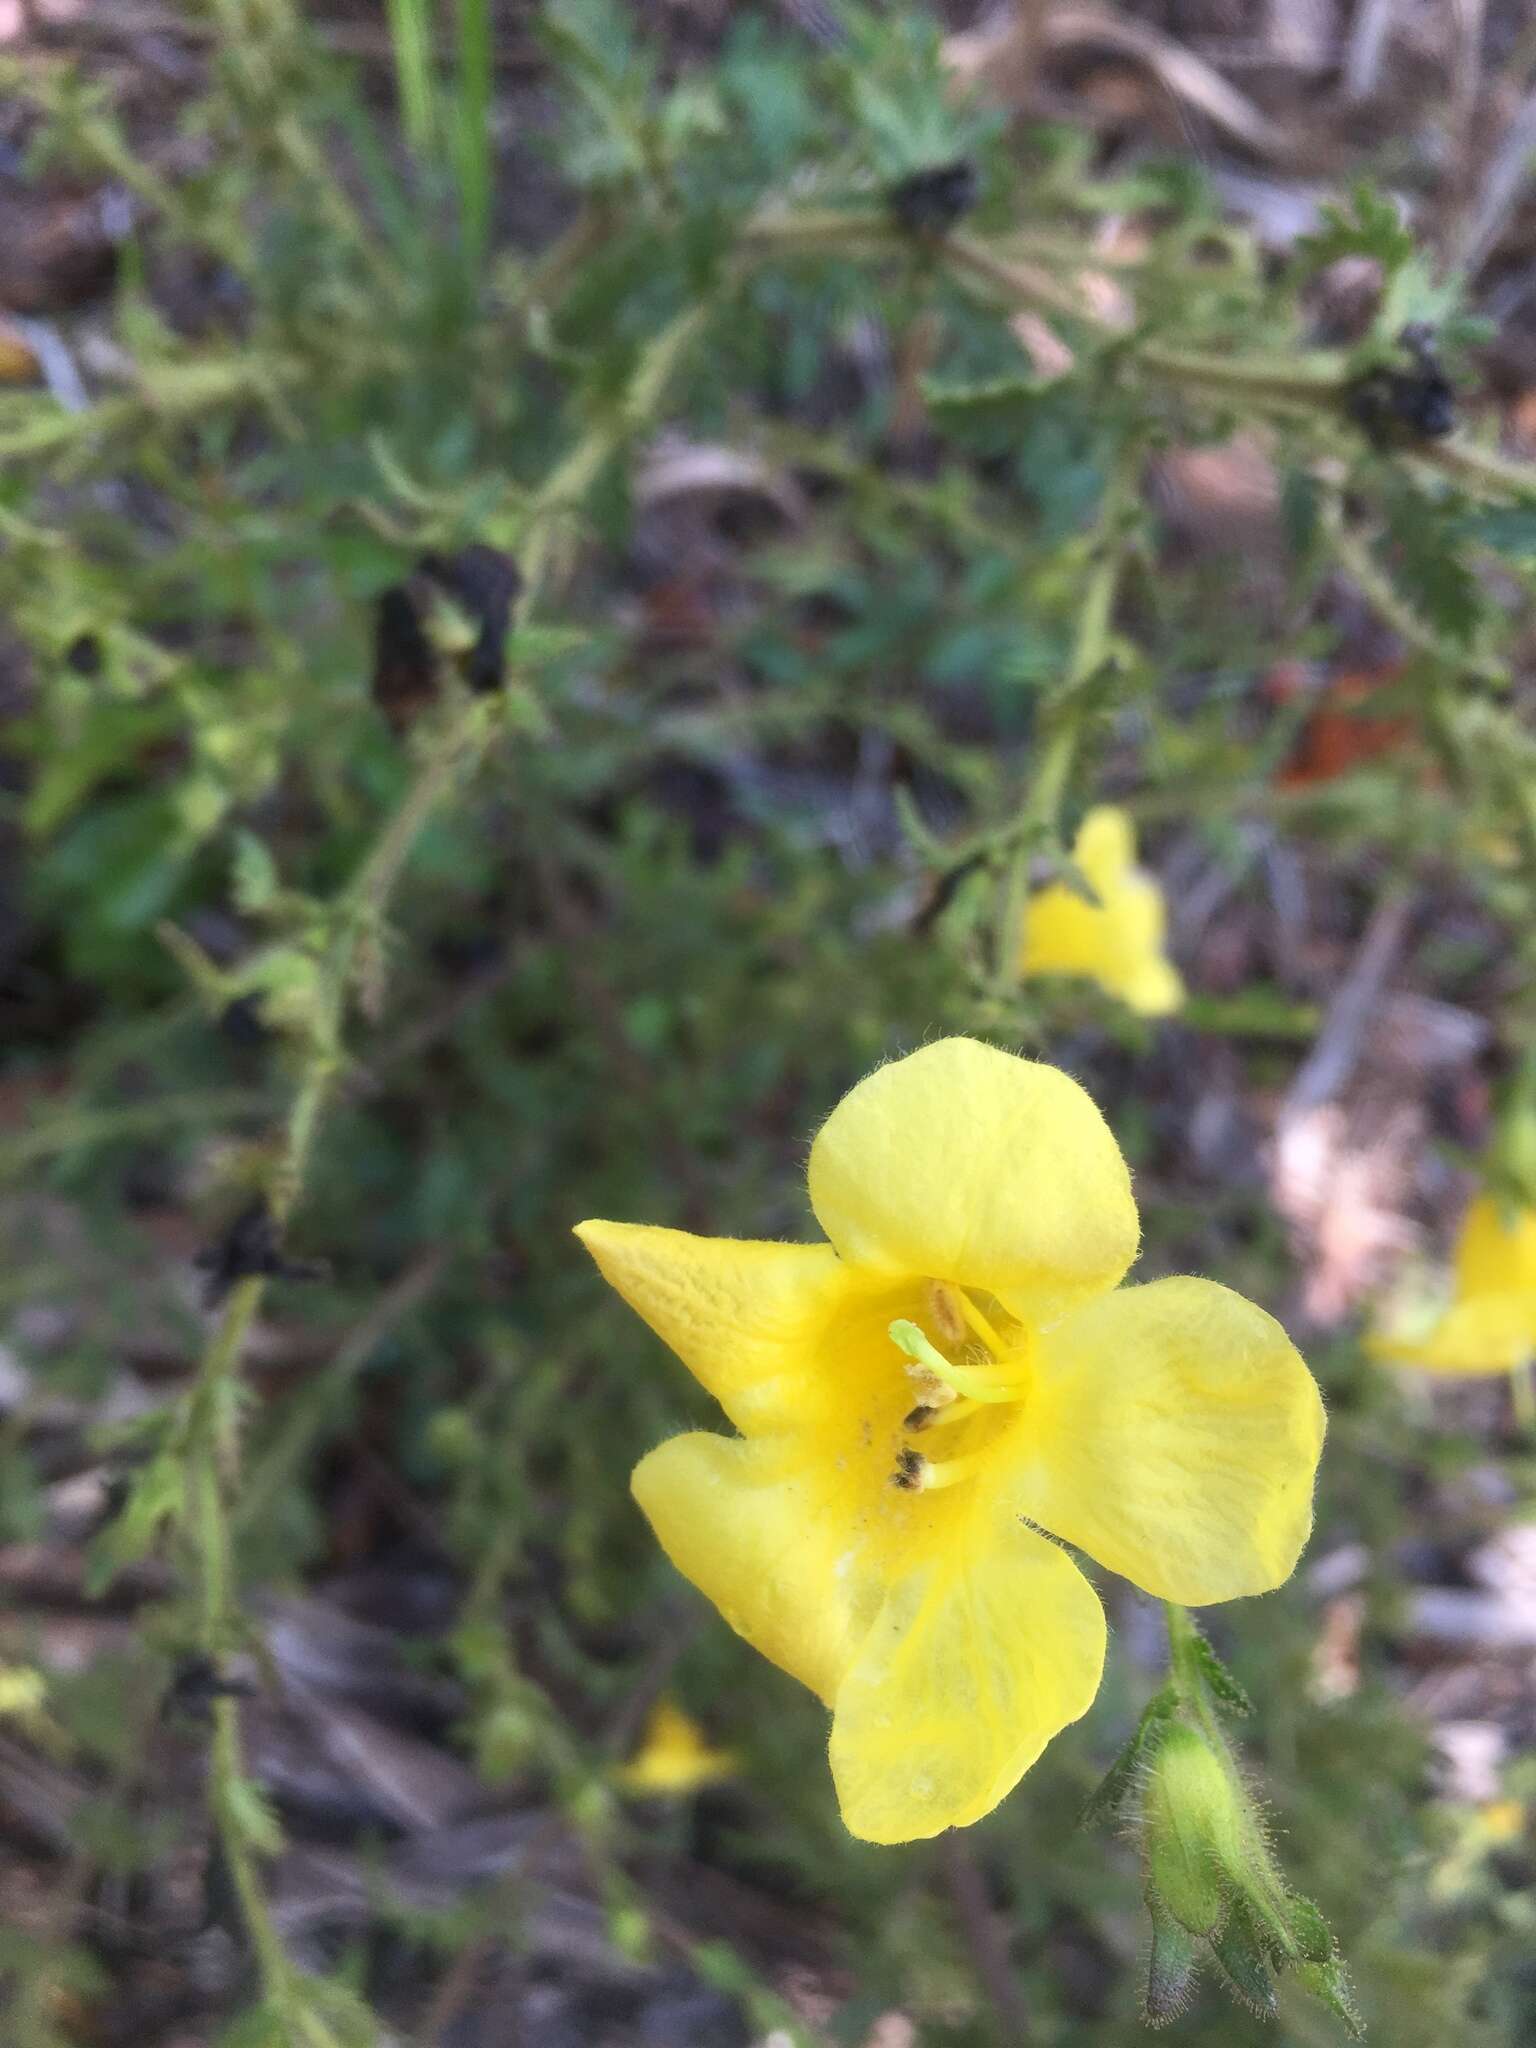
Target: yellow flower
[(1490, 1325), (22, 1690), (1501, 1821), (1118, 941), (674, 1757), (921, 1398)]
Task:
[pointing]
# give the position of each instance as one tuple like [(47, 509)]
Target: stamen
[(916, 1474), (929, 1388), (959, 1410), (980, 1325), (946, 1306), (910, 1468), (950, 1472)]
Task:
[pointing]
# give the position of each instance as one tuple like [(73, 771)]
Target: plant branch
[(209, 1431)]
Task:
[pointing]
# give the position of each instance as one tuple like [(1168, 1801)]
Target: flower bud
[(1193, 1817)]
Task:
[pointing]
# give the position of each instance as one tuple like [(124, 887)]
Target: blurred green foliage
[(686, 886)]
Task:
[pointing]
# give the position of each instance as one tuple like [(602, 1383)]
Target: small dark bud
[(1396, 406), (931, 201), (249, 1249)]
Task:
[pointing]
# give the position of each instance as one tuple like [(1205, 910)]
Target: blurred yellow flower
[(22, 1690), (1502, 1821), (920, 1400), (674, 1758), (1490, 1325), (1118, 941)]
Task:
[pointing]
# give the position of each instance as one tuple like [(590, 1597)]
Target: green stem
[(210, 1430), (1384, 596), (1522, 1387), (225, 1770), (1065, 723), (1184, 1669), (1310, 384), (1317, 380)]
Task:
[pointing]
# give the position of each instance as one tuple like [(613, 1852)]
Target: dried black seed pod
[(1395, 407), (483, 582), (932, 200), (250, 1249), (240, 1022), (404, 672), (83, 655), (196, 1682)]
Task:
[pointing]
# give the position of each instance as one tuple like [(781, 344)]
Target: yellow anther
[(946, 1309), (928, 1387)]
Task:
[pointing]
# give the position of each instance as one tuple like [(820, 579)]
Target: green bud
[(452, 1437), (590, 1805), (506, 1741), (1193, 1819), (630, 1932), (200, 805)]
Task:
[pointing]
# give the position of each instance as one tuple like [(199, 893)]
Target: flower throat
[(992, 1371)]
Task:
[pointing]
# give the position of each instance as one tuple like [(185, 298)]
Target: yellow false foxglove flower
[(1116, 942), (674, 1758), (1490, 1325), (928, 1399), (23, 1691)]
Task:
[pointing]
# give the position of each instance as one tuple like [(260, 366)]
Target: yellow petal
[(674, 1757), (748, 1523), (1173, 1434), (744, 1317), (1116, 942), (1486, 1333), (1105, 846), (1493, 1257), (968, 1672), (1156, 989), (975, 1166)]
